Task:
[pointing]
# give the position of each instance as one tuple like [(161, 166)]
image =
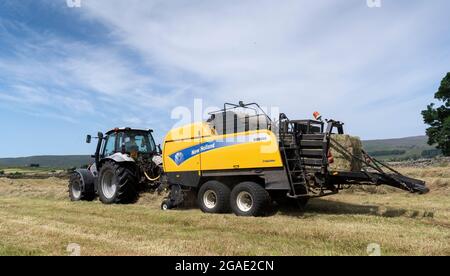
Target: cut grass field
[(36, 218)]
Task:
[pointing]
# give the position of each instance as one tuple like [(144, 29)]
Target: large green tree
[(438, 118)]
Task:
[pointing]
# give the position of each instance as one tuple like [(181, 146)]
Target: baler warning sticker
[(187, 153)]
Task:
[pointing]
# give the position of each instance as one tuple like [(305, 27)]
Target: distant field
[(404, 148), (47, 161), (36, 218), (399, 149), (28, 170)]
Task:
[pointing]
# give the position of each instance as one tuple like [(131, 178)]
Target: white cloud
[(350, 62), (49, 74), (342, 58)]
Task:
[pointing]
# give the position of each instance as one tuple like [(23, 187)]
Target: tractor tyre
[(214, 197), (249, 199), (117, 183), (76, 190)]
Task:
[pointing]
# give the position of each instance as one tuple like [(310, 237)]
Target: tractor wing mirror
[(159, 148), (88, 139)]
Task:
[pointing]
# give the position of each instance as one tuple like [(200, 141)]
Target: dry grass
[(36, 218)]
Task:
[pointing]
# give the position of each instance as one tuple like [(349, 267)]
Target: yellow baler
[(243, 161)]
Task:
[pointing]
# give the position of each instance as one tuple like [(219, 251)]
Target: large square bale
[(343, 161)]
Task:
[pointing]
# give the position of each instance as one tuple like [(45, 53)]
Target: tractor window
[(110, 145), (138, 142)]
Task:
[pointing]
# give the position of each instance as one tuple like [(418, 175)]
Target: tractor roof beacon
[(126, 161)]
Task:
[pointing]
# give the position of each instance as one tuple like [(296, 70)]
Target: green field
[(47, 161), (29, 170), (36, 218), (406, 148)]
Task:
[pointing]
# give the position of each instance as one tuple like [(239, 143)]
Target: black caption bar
[(206, 265)]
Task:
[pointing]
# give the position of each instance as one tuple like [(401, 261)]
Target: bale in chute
[(347, 158)]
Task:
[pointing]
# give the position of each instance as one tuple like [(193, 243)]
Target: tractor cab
[(131, 142)]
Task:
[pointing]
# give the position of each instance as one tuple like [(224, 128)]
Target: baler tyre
[(166, 205), (249, 199), (76, 191), (214, 197), (117, 183)]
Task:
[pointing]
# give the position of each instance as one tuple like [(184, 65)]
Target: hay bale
[(357, 152), (342, 160)]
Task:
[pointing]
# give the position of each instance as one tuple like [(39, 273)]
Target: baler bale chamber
[(240, 160)]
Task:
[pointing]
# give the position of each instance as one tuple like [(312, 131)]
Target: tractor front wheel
[(117, 183), (77, 190)]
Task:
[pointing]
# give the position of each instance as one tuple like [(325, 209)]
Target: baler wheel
[(214, 197), (249, 199), (166, 205)]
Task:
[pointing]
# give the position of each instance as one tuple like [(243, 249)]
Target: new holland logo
[(179, 157)]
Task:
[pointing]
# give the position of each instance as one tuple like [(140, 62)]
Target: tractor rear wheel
[(77, 191), (117, 183), (249, 199), (214, 197)]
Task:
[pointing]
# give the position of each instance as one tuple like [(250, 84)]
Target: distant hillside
[(387, 149), (401, 149), (50, 161)]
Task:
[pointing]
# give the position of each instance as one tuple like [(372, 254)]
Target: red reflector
[(317, 115)]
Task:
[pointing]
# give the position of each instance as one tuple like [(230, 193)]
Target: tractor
[(126, 162)]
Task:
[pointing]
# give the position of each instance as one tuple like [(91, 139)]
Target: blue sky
[(66, 72)]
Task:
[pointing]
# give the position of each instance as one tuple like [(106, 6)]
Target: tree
[(439, 118)]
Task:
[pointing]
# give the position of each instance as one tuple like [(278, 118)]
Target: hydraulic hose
[(151, 179)]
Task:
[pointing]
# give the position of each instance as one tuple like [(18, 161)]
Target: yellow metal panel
[(172, 147), (253, 149), (197, 147), (195, 130)]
